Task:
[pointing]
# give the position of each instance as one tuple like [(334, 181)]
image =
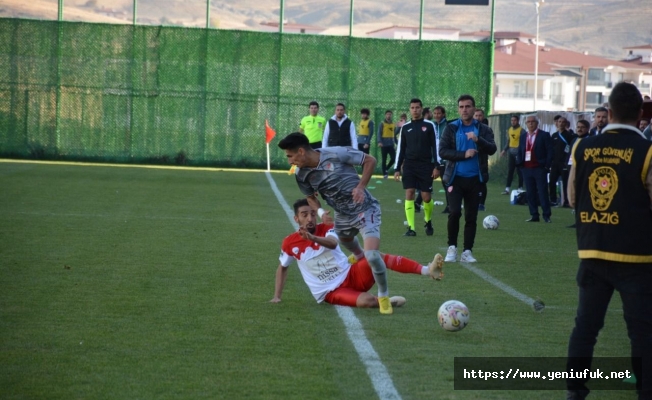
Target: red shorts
[(359, 280)]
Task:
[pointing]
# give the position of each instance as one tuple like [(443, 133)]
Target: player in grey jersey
[(330, 172)]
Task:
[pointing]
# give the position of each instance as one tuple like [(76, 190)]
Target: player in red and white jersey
[(326, 269)]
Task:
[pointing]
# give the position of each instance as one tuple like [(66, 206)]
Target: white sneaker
[(467, 257), (451, 254)]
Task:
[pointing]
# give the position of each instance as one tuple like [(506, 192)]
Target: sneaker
[(467, 257), (446, 211), (397, 301), (506, 191), (429, 230), (521, 190), (436, 267), (410, 232), (385, 176), (481, 207), (385, 305), (451, 254)]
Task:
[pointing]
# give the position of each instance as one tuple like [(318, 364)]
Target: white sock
[(425, 270), (383, 294)]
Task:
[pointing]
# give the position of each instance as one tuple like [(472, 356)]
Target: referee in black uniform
[(417, 162)]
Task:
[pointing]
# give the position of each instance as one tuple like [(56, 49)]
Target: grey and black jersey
[(335, 178)]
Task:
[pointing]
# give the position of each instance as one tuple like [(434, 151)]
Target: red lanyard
[(530, 140)]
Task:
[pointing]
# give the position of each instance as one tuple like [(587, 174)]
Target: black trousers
[(511, 166), (537, 191), (556, 172), (597, 281), (469, 191), (387, 151)]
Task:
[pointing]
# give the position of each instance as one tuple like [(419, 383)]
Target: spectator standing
[(386, 131), (511, 150), (535, 158), (643, 123), (439, 119), (561, 147), (615, 254), (600, 120), (365, 131), (340, 130), (479, 116), (582, 129), (466, 145)]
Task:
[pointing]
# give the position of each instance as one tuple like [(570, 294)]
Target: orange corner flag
[(269, 133)]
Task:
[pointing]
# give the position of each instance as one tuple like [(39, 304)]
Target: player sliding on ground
[(326, 269), (330, 172)]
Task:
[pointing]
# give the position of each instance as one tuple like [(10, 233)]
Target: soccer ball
[(453, 315), (490, 222)]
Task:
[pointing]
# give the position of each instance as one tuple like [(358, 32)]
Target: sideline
[(145, 166), (380, 378)]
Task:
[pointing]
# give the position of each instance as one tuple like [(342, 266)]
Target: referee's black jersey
[(417, 142)]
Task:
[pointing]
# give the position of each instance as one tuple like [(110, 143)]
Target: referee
[(417, 162), (313, 126)]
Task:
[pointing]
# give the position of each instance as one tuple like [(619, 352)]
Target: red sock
[(402, 264)]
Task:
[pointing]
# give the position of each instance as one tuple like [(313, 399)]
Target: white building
[(412, 33)]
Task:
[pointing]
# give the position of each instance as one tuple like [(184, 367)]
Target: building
[(291, 28), (566, 80), (412, 33), (642, 56)]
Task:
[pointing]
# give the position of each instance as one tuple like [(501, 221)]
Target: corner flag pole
[(268, 157), (269, 135)]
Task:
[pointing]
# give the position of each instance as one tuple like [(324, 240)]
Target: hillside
[(601, 27)]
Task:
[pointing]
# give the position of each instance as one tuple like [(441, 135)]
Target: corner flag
[(269, 133)]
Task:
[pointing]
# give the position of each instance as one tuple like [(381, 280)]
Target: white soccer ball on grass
[(490, 222), (453, 315)]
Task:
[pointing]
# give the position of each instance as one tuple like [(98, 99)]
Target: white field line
[(380, 378), (513, 292), (500, 285)]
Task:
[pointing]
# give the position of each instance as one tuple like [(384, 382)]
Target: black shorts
[(418, 176)]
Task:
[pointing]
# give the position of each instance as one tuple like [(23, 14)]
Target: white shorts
[(366, 223)]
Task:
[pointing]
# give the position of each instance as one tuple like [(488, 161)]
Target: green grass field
[(136, 283)]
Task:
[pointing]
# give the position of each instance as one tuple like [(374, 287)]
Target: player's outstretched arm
[(329, 242), (281, 276), (368, 167)]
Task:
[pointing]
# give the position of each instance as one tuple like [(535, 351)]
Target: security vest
[(363, 129), (388, 130), (339, 135), (613, 216)]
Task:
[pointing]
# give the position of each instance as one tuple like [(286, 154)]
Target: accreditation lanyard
[(529, 144)]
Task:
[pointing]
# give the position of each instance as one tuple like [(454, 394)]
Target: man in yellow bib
[(365, 131), (386, 131), (313, 126), (511, 149)]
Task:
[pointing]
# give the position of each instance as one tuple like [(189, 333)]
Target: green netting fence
[(144, 94)]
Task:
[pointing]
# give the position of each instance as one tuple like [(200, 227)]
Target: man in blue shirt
[(466, 144)]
